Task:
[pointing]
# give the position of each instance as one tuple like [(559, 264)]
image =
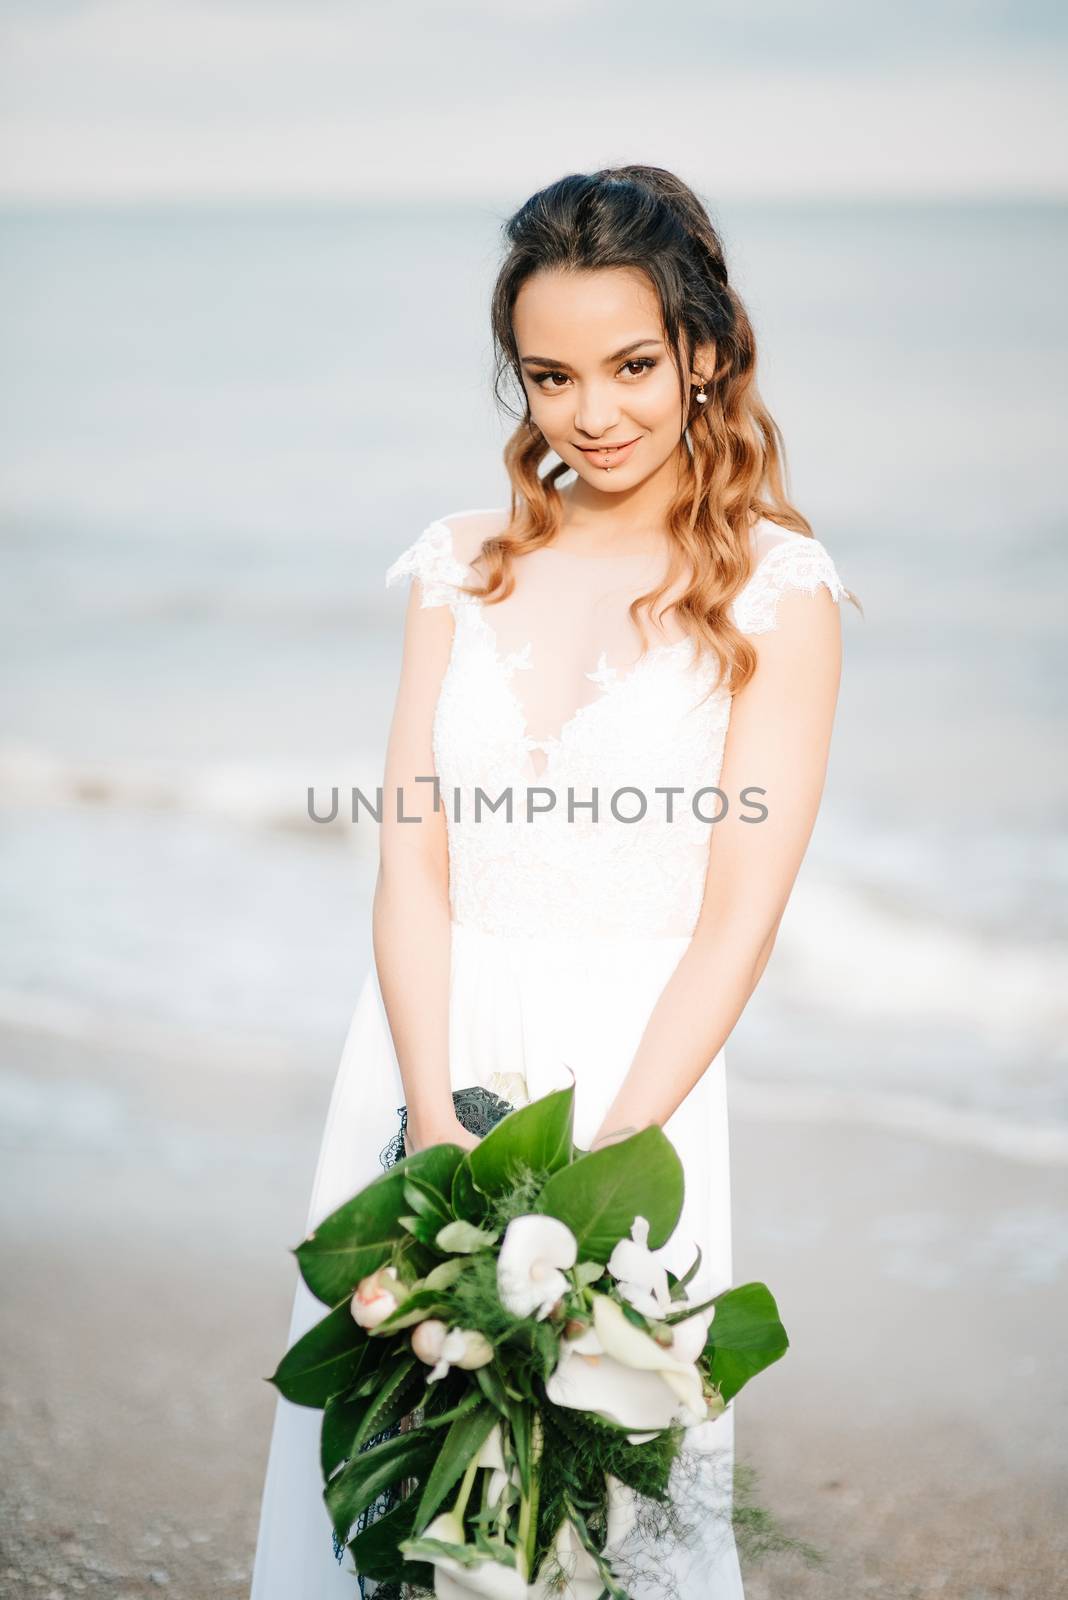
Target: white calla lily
[(618, 1372), (491, 1452), (568, 1555), (622, 1513), (634, 1348), (641, 1277), (491, 1455), (534, 1254), (482, 1580)]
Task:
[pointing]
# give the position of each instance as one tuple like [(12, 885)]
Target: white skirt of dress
[(524, 1013)]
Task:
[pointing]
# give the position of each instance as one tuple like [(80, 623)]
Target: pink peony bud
[(376, 1298)]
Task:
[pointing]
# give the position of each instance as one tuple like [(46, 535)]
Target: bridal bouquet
[(506, 1373)]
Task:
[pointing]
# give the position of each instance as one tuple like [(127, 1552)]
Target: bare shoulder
[(469, 530)]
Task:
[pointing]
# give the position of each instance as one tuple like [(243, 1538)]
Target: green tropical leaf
[(466, 1403), (489, 1381), (369, 1473), (464, 1439), (394, 1399), (359, 1236), (425, 1229), (344, 1412), (412, 1259), (745, 1337), (545, 1347), (679, 1287), (601, 1193), (464, 1238), (419, 1305), (537, 1136), (520, 1417), (342, 1416), (467, 1201), (426, 1201), (444, 1274), (376, 1554), (324, 1362)]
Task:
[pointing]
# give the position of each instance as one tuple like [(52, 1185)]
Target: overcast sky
[(487, 98)]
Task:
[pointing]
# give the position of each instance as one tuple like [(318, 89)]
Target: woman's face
[(598, 373)]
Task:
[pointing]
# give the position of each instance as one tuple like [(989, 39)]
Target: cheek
[(659, 403)]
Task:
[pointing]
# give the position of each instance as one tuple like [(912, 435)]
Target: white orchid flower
[(482, 1580), (534, 1253), (642, 1279), (689, 1337), (376, 1297)]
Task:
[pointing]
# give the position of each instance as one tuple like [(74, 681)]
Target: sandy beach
[(914, 1434)]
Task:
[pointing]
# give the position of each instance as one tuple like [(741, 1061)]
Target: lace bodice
[(596, 842)]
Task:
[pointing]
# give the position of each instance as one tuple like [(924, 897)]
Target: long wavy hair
[(646, 218)]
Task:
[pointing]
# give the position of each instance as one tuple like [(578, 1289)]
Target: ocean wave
[(253, 795), (856, 952), (912, 1115), (167, 1043), (162, 1040)]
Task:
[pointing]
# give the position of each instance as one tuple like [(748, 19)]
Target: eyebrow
[(548, 361)]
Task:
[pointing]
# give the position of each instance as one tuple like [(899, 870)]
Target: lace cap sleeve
[(431, 559), (798, 562)]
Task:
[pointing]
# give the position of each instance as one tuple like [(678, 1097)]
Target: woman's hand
[(450, 1130), (611, 1136)]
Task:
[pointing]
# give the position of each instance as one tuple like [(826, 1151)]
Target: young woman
[(611, 731)]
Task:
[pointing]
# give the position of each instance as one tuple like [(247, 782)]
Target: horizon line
[(405, 200)]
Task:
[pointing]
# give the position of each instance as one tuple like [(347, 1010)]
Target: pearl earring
[(701, 397)]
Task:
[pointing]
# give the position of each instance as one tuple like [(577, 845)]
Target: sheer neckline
[(610, 680)]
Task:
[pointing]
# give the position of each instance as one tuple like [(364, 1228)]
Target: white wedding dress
[(564, 933)]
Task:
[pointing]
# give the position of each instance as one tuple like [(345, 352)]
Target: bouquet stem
[(528, 1510), (464, 1493)]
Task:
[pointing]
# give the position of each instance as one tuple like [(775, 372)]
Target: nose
[(596, 411)]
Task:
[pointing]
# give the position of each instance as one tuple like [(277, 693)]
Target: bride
[(606, 759)]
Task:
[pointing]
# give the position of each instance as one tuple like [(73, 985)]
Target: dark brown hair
[(646, 219)]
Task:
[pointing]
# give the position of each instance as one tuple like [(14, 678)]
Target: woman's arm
[(410, 915), (778, 740)]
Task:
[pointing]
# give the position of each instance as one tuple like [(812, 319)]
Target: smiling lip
[(611, 453)]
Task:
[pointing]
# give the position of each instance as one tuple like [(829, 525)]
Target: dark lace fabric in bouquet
[(478, 1110)]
